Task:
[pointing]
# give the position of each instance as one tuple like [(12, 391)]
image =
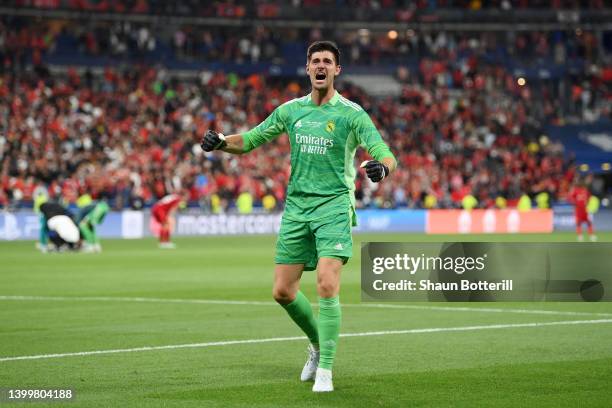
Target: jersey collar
[(333, 101)]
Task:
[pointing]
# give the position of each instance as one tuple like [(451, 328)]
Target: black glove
[(375, 170), (213, 141)]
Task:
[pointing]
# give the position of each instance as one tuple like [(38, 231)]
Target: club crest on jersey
[(330, 127)]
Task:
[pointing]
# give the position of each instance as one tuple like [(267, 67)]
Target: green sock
[(87, 233), (330, 315), (300, 311)]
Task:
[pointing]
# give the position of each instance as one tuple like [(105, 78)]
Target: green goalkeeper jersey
[(323, 144)]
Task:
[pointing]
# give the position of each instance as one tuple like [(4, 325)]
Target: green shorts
[(302, 242)]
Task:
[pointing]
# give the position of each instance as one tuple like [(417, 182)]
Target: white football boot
[(88, 248), (323, 381), (310, 368)]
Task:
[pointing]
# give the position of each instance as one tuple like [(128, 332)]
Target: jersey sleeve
[(369, 137), (272, 127)]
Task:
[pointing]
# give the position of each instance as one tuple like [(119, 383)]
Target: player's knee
[(327, 288), (283, 295)]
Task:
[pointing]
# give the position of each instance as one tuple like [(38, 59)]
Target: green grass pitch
[(134, 295)]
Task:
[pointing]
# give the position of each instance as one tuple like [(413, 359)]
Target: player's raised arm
[(268, 130), (217, 141)]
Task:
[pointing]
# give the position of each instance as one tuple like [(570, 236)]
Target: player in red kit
[(162, 214), (580, 196)]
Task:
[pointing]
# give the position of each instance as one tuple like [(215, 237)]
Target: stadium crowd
[(132, 136), (274, 9), (463, 124), (23, 40)]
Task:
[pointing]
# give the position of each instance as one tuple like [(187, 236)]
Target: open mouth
[(320, 76)]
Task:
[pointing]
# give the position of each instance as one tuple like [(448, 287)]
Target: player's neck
[(322, 96)]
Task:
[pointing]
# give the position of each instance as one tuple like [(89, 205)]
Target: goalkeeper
[(324, 130), (89, 218)]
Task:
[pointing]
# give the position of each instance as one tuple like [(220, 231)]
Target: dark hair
[(324, 46)]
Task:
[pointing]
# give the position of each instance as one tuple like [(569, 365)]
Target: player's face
[(322, 69)]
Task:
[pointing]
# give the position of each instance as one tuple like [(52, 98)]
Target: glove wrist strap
[(222, 143), (385, 171)]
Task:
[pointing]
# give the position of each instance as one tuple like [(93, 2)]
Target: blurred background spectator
[(116, 108)]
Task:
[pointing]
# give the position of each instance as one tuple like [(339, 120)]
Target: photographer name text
[(428, 285)]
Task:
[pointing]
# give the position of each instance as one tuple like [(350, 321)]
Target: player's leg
[(96, 239), (88, 234), (330, 317), (164, 228), (286, 292), (43, 237), (164, 234), (590, 230), (171, 224), (97, 217), (334, 247), (579, 235), (88, 231), (295, 253)]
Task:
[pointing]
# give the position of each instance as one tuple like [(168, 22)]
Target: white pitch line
[(485, 310), (139, 299), (259, 303), (281, 339)]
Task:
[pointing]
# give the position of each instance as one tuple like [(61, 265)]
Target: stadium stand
[(104, 107)]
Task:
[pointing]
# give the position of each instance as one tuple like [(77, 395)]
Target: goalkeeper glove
[(213, 141), (375, 170)]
